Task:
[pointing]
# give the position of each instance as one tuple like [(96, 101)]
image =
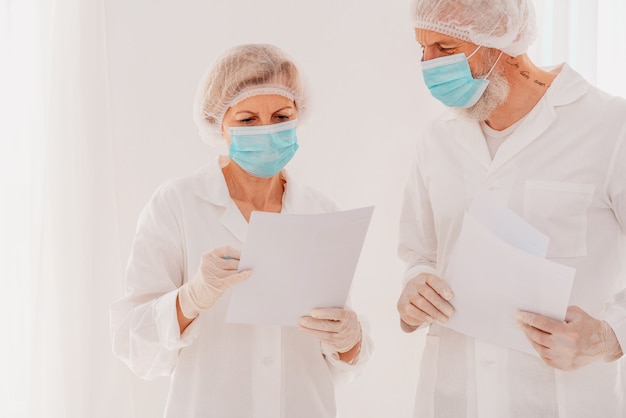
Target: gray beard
[(495, 94)]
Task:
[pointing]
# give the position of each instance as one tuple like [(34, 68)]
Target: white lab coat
[(217, 369), (564, 170)]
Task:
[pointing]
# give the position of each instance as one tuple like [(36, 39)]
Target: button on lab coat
[(217, 369), (564, 170)]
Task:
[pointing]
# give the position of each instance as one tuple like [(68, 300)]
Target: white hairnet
[(507, 25), (239, 73)]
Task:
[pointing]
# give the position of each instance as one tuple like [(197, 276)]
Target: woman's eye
[(282, 117), (246, 120)]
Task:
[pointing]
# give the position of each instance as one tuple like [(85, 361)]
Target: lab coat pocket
[(425, 396), (559, 210)]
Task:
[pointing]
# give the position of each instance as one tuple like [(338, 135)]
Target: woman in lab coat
[(186, 253)]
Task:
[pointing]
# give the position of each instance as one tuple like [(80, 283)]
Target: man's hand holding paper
[(497, 268)]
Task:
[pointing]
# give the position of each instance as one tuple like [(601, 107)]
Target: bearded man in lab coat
[(553, 147)]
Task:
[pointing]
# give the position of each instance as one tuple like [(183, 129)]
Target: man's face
[(437, 45)]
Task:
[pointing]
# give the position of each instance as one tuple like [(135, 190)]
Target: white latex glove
[(337, 328), (425, 299), (572, 344), (216, 273)]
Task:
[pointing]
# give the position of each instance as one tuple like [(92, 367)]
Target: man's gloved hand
[(572, 344), (425, 299)]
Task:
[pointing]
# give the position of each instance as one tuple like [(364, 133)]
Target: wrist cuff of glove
[(612, 349), (188, 308)]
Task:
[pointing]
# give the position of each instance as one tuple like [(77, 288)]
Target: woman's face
[(266, 109)]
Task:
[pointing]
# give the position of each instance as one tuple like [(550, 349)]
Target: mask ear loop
[(493, 66), (475, 51)]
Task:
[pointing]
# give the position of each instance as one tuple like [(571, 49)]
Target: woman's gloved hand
[(570, 345), (216, 273), (337, 328)]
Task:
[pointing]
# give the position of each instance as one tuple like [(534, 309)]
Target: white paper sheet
[(491, 280), (507, 225), (299, 262)]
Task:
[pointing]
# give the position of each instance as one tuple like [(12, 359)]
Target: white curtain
[(21, 143), (611, 46), (57, 289), (80, 265), (589, 34), (567, 32)]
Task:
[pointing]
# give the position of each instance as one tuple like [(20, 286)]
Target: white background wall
[(368, 103)]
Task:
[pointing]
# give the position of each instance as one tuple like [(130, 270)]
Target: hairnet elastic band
[(259, 91), (455, 33), (255, 91)]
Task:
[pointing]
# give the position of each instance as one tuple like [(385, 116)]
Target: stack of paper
[(497, 268)]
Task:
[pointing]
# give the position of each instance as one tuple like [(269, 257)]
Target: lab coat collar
[(566, 88), (209, 184), (295, 199), (470, 137), (533, 125)]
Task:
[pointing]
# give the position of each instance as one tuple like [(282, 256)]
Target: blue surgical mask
[(450, 80), (263, 150)]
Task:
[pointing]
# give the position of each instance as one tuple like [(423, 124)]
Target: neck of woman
[(252, 193)]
